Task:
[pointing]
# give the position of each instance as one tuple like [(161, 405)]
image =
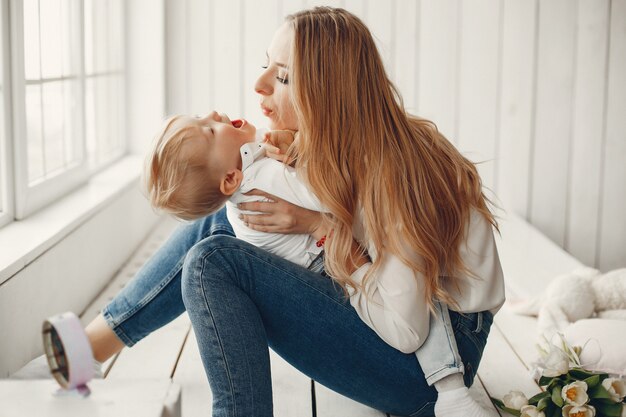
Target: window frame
[(6, 149), (30, 198)]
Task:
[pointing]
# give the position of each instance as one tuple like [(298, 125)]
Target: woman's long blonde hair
[(360, 150)]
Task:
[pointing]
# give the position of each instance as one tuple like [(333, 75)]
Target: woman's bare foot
[(104, 342)]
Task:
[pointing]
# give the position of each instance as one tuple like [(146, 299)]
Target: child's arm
[(277, 143)]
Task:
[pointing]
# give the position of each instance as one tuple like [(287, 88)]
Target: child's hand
[(277, 142)]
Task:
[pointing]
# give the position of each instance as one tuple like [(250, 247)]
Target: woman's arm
[(392, 304)]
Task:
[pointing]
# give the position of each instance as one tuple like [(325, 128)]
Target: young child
[(199, 164)]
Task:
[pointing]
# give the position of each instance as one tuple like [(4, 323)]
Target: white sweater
[(396, 309)]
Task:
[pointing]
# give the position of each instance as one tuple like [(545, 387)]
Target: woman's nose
[(262, 86)]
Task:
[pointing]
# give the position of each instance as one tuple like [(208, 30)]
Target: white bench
[(529, 260), (171, 354)]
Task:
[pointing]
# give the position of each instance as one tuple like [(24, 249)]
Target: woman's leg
[(153, 298), (241, 299), (103, 340)]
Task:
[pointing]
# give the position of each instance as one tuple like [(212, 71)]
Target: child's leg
[(443, 367)]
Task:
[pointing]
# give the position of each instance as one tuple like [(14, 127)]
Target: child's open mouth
[(237, 123)]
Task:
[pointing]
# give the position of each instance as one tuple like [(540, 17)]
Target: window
[(68, 68), (5, 201)]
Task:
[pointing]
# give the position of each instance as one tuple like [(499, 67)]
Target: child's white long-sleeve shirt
[(278, 179)]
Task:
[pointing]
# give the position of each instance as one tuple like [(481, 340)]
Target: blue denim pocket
[(475, 326)]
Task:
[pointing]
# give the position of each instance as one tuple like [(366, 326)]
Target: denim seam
[(419, 410), (206, 303), (479, 322), (152, 294), (214, 231), (443, 372), (456, 366)]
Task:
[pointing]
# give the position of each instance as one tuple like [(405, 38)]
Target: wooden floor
[(528, 259)]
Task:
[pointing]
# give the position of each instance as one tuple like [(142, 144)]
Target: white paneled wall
[(612, 217), (533, 90)]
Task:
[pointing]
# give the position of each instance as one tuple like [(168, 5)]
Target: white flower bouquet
[(569, 390)]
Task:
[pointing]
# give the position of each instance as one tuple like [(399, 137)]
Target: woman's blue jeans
[(241, 300)]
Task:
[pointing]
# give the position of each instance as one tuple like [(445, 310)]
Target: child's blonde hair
[(178, 182)]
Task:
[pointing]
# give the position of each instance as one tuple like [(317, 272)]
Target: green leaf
[(543, 403), (609, 410), (599, 392), (501, 406), (580, 374), (555, 382), (556, 396), (536, 398), (593, 381), (545, 380), (497, 402)]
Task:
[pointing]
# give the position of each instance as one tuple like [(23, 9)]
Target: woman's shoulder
[(478, 228)]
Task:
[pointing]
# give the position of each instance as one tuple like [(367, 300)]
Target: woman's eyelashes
[(283, 79)]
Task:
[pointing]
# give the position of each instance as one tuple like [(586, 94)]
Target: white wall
[(536, 90), (145, 71)]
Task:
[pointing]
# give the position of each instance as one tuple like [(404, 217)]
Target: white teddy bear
[(583, 293)]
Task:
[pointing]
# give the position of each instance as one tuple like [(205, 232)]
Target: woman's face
[(273, 83)]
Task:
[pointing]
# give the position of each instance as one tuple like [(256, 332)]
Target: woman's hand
[(280, 216), (277, 142)]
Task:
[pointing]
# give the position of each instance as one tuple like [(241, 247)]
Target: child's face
[(221, 139)]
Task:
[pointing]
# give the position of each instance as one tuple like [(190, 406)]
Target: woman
[(408, 228)]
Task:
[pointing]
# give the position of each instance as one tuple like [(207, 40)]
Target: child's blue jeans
[(241, 300)]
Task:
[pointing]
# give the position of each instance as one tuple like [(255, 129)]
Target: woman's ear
[(231, 182)]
